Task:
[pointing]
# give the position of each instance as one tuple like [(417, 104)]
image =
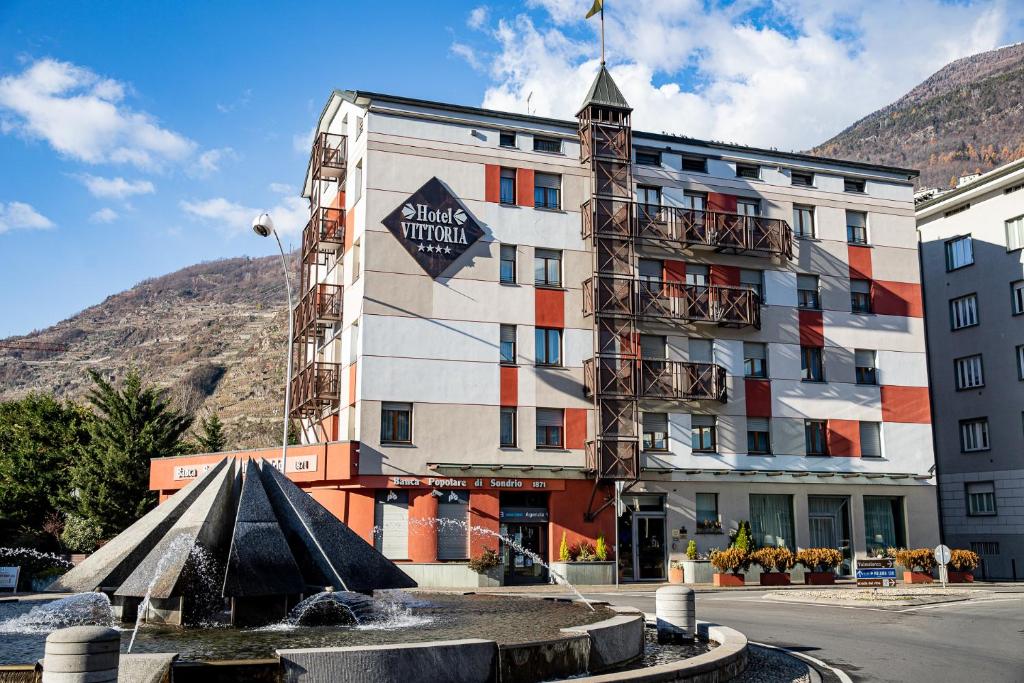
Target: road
[(973, 642)]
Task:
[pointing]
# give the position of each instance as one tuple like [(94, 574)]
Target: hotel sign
[(434, 227)]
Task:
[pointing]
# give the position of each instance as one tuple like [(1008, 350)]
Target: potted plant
[(821, 564), (730, 563), (709, 526), (918, 562), (676, 571), (962, 564), (775, 564), (583, 563), (696, 567), (488, 565)]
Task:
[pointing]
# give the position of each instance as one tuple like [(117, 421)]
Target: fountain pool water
[(81, 609)]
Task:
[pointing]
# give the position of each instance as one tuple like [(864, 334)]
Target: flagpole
[(602, 34)]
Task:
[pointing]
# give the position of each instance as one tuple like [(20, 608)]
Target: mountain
[(213, 334), (967, 117)]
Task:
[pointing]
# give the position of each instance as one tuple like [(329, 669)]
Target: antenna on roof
[(528, 98)]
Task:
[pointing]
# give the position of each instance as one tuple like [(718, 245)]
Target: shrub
[(773, 559), (601, 549), (916, 558), (691, 550), (732, 560), (488, 559), (742, 539), (563, 550), (964, 560), (80, 535), (583, 552), (820, 559)]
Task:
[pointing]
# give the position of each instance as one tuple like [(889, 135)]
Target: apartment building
[(971, 249), (505, 318)]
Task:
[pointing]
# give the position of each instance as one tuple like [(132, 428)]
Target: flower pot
[(728, 580), (917, 577), (675, 575), (774, 579), (819, 578), (697, 571), (587, 573), (960, 577)]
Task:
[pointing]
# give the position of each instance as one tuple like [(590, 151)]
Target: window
[(395, 422), (883, 523), (655, 431), (860, 296), (802, 179), (959, 253), (357, 182), (811, 366), (695, 164), (771, 520), (701, 350), (648, 157), (547, 190), (748, 207), (985, 547), (549, 346), (650, 271), (453, 539), (974, 435), (870, 440), (508, 428), (803, 221), (1020, 362), (748, 171), (695, 201), (814, 437), (755, 362), (969, 372), (391, 524), (547, 268), (963, 311), (866, 369), (508, 344), (807, 291), (853, 185), (507, 138), (707, 513), (652, 347), (1017, 294), (648, 196), (359, 126), (856, 227), (552, 145), (549, 427), (697, 274), (1015, 233), (758, 437), (508, 264), (981, 498), (508, 186), (754, 281), (703, 434), (355, 262)]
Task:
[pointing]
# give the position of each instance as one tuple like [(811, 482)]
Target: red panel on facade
[(860, 262), (812, 329), (725, 276), (350, 228), (675, 271), (549, 307), (843, 438), (332, 499), (759, 397), (360, 513), (492, 183), (576, 428), (897, 298), (484, 507), (566, 510), (721, 202), (906, 404), (422, 536), (524, 186), (509, 386)]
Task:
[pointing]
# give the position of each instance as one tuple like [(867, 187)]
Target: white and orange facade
[(453, 279)]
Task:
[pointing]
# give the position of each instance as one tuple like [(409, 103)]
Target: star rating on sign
[(421, 247), (447, 250)]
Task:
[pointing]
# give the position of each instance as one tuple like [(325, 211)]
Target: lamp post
[(263, 226)]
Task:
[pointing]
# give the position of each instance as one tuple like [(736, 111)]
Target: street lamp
[(263, 225)]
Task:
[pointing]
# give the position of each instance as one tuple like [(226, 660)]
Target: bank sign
[(434, 227)]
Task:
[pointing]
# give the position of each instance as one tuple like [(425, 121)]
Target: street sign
[(942, 554), (873, 572), (9, 577), (876, 583)]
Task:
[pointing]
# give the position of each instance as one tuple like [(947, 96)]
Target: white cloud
[(19, 215), (712, 73), (303, 142), (82, 116), (104, 215), (290, 214), (209, 161), (477, 17), (281, 188), (467, 53), (115, 188)]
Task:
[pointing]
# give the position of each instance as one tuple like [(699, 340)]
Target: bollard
[(675, 609), (82, 654)]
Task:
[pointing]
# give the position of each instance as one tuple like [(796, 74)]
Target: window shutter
[(547, 180), (650, 268), (656, 422), (508, 333), (391, 517), (702, 420), (701, 351), (806, 282), (549, 417), (652, 347), (757, 424), (870, 439), (750, 277), (453, 537), (860, 286), (753, 350), (864, 359)]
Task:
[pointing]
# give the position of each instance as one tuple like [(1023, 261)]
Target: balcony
[(325, 231), (315, 387), (617, 376), (610, 458), (680, 228), (321, 305), (329, 159), (664, 301)]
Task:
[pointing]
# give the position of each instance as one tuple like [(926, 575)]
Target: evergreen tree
[(212, 440), (134, 423)]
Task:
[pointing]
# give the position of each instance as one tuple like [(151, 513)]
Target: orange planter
[(728, 580), (819, 578), (960, 577), (917, 577), (774, 578), (675, 575)]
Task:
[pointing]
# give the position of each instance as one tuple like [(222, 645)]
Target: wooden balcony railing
[(678, 227), (321, 305), (612, 458), (617, 376), (315, 387), (652, 299), (330, 156), (325, 230)]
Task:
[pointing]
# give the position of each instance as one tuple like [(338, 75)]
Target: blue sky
[(137, 137)]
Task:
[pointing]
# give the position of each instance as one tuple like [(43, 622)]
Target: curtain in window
[(771, 520), (879, 523)]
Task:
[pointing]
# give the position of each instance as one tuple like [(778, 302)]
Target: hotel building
[(972, 241), (506, 317)]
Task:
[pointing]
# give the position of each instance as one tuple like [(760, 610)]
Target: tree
[(134, 423), (212, 440)]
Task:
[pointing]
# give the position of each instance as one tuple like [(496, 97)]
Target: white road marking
[(977, 601), (840, 674)]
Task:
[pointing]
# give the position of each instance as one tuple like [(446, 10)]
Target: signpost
[(943, 556), (9, 578), (874, 572)]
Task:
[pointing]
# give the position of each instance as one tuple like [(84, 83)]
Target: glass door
[(649, 547), (829, 520), (521, 567)]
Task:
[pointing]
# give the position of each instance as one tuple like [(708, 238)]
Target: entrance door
[(829, 520), (649, 547), (521, 567)]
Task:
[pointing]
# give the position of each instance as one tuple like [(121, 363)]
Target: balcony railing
[(611, 458), (679, 227), (617, 376), (653, 299), (322, 305), (325, 228), (315, 387), (330, 156)]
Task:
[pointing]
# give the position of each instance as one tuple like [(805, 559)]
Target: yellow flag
[(595, 8)]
